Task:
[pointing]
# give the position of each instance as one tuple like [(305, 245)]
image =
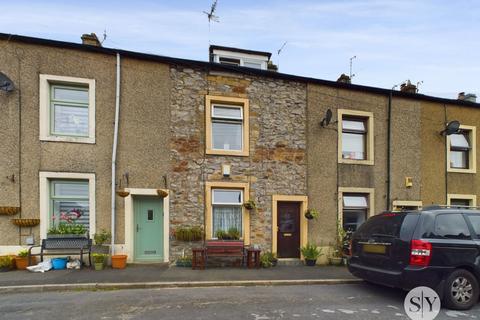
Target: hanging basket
[(26, 222), (122, 193), (162, 193), (9, 211)]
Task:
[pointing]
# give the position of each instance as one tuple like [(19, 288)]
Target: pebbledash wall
[(162, 141)]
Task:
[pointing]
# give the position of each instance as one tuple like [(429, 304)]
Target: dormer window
[(240, 57)]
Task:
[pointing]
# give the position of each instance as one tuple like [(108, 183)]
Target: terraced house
[(145, 144)]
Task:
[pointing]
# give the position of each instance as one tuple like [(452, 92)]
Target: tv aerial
[(212, 17), (5, 83), (452, 127), (327, 119), (351, 64)]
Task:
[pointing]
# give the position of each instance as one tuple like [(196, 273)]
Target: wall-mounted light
[(226, 170), (408, 182)]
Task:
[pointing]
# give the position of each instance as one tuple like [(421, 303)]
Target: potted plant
[(6, 263), (250, 205), (311, 214), (184, 262), (119, 261), (231, 234), (67, 226), (101, 239), (21, 260), (311, 253), (99, 260), (268, 259), (189, 233)]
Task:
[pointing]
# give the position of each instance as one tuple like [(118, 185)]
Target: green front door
[(148, 229)]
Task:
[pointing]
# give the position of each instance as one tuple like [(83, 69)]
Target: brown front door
[(288, 234)]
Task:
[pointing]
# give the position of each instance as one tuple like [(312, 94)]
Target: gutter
[(114, 151), (389, 146)]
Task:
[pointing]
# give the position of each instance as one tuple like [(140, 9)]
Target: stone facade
[(277, 160)]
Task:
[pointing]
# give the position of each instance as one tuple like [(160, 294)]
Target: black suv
[(437, 247)]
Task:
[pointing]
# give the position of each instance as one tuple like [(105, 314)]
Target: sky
[(434, 42)]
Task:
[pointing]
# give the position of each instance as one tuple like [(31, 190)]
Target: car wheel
[(461, 290)]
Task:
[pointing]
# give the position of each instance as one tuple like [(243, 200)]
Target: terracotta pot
[(21, 263), (119, 261)]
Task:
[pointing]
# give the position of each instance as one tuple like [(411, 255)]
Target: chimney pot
[(91, 39), (344, 78), (461, 96)]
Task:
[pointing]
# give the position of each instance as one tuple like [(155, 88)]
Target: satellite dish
[(5, 83), (326, 120), (451, 128)]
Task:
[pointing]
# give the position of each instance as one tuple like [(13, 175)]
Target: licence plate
[(375, 248)]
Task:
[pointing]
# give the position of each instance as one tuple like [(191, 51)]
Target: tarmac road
[(352, 301)]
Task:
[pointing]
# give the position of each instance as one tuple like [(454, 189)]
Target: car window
[(450, 226), (383, 226), (475, 220)]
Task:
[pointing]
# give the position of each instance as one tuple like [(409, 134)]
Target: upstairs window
[(67, 109), (227, 126), (355, 137), (461, 148), (229, 61)]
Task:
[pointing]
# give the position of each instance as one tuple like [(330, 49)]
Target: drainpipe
[(389, 134), (114, 152)]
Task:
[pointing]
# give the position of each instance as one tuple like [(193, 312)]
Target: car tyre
[(461, 290)]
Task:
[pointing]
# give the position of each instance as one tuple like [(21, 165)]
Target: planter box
[(66, 236)]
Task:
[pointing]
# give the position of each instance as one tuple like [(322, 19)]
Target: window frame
[(471, 197), (472, 153), (397, 204), (46, 86), (210, 102), (45, 179), (209, 187), (369, 192), (369, 135)]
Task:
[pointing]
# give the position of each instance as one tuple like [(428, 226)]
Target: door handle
[(137, 227)]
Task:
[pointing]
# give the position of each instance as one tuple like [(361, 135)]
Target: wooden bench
[(219, 248), (64, 246)]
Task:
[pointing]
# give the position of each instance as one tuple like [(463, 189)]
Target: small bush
[(311, 252), (103, 237), (6, 262), (268, 259), (189, 233), (23, 253), (99, 257)]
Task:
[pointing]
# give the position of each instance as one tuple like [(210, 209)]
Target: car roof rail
[(444, 206)]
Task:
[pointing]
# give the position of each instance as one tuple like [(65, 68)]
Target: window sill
[(227, 153), (461, 170), (85, 140), (361, 162)]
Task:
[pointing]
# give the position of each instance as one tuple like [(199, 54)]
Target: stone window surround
[(472, 155), (45, 206), (303, 200), (209, 185), (44, 106), (369, 140), (371, 200), (244, 103), (471, 197), (406, 203)]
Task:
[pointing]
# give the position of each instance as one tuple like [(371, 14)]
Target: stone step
[(289, 262)]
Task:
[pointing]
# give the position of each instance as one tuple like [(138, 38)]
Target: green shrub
[(68, 228), (268, 259), (311, 213), (231, 234), (99, 257), (311, 251), (23, 253), (6, 262), (103, 237)]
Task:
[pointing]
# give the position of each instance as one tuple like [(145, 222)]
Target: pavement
[(161, 276), (343, 302)]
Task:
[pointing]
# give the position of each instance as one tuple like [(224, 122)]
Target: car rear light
[(420, 253)]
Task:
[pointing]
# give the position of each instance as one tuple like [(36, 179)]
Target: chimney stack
[(461, 96), (271, 66), (344, 78), (408, 87), (91, 40), (470, 97)]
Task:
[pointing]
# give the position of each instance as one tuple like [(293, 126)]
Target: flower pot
[(310, 262), (119, 261), (162, 193), (21, 263), (336, 261), (122, 193), (309, 216), (98, 266), (5, 269)]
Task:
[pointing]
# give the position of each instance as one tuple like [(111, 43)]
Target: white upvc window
[(461, 150), (227, 127), (67, 109), (355, 210), (227, 210), (355, 137), (462, 200), (67, 193)]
